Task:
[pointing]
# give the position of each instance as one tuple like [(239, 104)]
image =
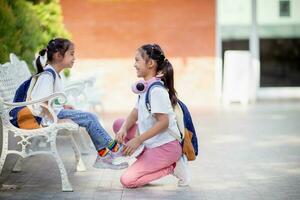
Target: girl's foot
[(105, 162), (119, 157), (181, 171)]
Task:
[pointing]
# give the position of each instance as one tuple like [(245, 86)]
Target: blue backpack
[(189, 141), (22, 117)]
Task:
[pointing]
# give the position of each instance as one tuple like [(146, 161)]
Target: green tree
[(26, 26), (7, 32)]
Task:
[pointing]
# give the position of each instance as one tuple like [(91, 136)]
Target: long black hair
[(154, 52), (60, 45)]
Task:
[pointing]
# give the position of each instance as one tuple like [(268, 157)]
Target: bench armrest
[(46, 102)]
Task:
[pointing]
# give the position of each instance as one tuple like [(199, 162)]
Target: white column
[(254, 49), (218, 60)]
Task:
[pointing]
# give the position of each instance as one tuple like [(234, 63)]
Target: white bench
[(8, 86), (80, 94), (22, 73), (73, 91)]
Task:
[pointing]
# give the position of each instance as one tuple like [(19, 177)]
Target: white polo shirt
[(160, 103)]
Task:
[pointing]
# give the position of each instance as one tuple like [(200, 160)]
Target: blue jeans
[(99, 136)]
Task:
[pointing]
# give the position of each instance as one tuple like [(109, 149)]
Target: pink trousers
[(151, 164)]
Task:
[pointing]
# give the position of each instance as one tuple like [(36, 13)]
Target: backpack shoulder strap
[(179, 119), (34, 79), (51, 72), (147, 98)]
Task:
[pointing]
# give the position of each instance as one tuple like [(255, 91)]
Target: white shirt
[(45, 86), (160, 103)]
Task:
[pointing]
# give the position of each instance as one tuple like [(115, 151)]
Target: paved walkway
[(249, 153)]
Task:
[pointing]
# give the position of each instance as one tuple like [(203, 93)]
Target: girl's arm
[(161, 125), (129, 122), (42, 88)]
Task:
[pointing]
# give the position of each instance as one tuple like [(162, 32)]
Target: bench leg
[(65, 183), (2, 160), (4, 148), (81, 141), (80, 166), (18, 165), (84, 142)]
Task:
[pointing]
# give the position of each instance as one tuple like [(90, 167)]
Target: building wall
[(279, 39), (232, 12), (235, 19), (108, 32), (268, 13)]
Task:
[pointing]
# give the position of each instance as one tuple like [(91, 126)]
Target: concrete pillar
[(254, 49), (218, 63)]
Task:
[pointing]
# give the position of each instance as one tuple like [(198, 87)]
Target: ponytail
[(163, 66), (168, 79), (40, 61)]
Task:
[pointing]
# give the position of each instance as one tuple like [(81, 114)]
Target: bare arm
[(161, 125), (129, 122)]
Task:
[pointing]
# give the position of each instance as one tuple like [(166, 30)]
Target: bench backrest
[(21, 68), (12, 74), (8, 82)]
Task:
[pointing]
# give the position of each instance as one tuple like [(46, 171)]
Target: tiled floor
[(245, 153)]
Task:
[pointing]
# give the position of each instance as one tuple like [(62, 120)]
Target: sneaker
[(138, 151), (182, 172), (119, 156), (106, 163)]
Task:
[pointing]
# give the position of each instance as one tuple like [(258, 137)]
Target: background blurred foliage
[(26, 26)]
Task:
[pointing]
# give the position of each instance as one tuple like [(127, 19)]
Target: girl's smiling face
[(140, 65), (145, 66), (69, 57)]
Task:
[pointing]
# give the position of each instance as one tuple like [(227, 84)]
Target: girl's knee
[(130, 132), (127, 182), (117, 124)]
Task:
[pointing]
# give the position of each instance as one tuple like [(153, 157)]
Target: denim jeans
[(98, 134)]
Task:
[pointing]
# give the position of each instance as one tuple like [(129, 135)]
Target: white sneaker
[(138, 151), (119, 157), (106, 163), (182, 172)]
